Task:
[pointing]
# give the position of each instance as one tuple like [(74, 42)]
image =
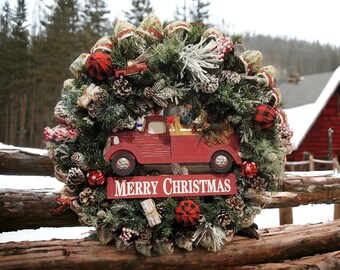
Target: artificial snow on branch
[(198, 57)]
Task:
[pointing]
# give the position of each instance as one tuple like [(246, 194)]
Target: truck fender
[(226, 148), (122, 147)]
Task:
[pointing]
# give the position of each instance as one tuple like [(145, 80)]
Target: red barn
[(313, 107)]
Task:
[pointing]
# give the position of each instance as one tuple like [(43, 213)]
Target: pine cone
[(229, 77), (223, 219), (159, 93), (78, 159), (87, 196), (61, 110), (75, 178), (211, 85), (143, 247), (100, 96), (122, 88), (259, 184), (95, 109), (160, 102), (164, 246), (146, 234), (235, 202), (161, 208), (105, 235), (178, 169), (149, 92)]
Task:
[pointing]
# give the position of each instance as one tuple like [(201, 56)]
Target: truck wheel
[(123, 163), (221, 162), (141, 72)]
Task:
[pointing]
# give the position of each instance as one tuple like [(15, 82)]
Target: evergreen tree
[(56, 47), (15, 72), (94, 21), (19, 32), (21, 72), (38, 15), (5, 20), (181, 12), (5, 63), (140, 9), (5, 37), (200, 11), (61, 35)]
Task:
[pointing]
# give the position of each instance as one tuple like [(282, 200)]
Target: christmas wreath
[(195, 81)]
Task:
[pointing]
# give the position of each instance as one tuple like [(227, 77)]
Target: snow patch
[(43, 234), (34, 151), (30, 182)]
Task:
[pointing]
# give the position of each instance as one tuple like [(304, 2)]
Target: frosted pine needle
[(197, 57)]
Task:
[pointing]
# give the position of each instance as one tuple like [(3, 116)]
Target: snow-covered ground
[(267, 218)]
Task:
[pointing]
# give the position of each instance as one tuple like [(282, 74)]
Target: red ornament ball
[(99, 66), (265, 116), (95, 178), (187, 213), (249, 169)]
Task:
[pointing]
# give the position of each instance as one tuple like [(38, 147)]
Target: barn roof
[(306, 91), (303, 102)]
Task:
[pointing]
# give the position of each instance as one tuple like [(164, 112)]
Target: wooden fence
[(311, 246), (311, 164)]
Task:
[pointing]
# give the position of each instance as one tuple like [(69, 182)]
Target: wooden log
[(20, 162), (286, 215), (30, 209), (299, 183), (293, 199), (325, 261), (337, 211), (275, 245)]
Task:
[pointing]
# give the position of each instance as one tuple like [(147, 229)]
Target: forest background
[(35, 56)]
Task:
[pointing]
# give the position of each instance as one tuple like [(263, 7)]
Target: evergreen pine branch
[(126, 49), (164, 57), (194, 35)]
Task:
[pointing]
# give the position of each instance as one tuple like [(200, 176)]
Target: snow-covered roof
[(305, 91), (302, 118)]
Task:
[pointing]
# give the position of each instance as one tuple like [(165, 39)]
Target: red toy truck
[(131, 68), (156, 144)]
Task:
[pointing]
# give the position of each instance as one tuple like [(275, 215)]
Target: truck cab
[(131, 68), (161, 141)]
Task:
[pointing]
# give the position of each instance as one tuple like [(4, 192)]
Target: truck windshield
[(157, 127)]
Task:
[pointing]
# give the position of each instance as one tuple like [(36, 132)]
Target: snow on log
[(24, 161)]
